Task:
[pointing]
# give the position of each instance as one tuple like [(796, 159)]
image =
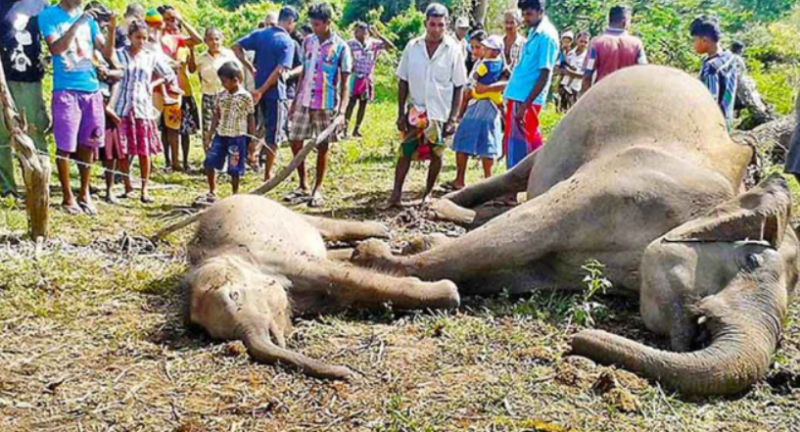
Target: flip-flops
[(316, 201), (297, 196), (72, 210), (88, 208)]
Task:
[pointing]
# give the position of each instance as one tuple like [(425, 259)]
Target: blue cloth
[(494, 71), (481, 132), (273, 47), (540, 52), (234, 149), (73, 70)]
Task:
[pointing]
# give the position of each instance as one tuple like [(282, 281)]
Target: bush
[(406, 26)]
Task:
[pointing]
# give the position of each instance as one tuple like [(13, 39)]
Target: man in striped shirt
[(719, 66)]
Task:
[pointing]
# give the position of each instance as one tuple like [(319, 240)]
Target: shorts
[(307, 123), (80, 120), (274, 113), (234, 149)]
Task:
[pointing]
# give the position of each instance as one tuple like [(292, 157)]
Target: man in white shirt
[(431, 78)]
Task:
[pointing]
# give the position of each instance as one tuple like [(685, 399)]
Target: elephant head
[(233, 300), (719, 285)]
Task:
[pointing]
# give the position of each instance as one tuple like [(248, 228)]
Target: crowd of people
[(122, 90)]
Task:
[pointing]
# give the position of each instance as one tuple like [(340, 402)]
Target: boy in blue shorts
[(232, 126)]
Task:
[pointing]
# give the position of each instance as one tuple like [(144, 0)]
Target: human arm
[(191, 62), (455, 109), (402, 98), (286, 55), (541, 83), (497, 87), (111, 39), (239, 52), (213, 129), (60, 44), (386, 42), (345, 69), (194, 36), (254, 147)]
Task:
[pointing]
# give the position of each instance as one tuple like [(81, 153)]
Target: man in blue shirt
[(526, 91), (719, 66), (274, 55)]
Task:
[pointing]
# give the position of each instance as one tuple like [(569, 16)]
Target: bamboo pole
[(35, 167), (265, 187)]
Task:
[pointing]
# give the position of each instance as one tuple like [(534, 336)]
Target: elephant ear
[(762, 214)]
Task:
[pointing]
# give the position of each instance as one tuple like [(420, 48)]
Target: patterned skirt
[(481, 132), (190, 116), (139, 136)]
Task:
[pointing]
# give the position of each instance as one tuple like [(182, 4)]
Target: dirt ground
[(93, 340)]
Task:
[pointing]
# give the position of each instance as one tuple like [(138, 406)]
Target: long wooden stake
[(266, 187), (35, 167)]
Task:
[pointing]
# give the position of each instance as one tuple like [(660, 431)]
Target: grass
[(93, 340)]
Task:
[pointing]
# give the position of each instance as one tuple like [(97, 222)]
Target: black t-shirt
[(291, 85), (20, 40)]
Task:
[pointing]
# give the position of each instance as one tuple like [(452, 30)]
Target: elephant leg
[(347, 231), (446, 210), (513, 181), (340, 254), (345, 285), (512, 241)]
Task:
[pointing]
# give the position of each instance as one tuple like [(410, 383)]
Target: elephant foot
[(446, 210), (375, 254), (424, 243)]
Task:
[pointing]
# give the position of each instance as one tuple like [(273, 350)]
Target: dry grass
[(92, 340)]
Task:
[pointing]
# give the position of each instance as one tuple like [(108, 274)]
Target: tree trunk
[(480, 10), (35, 167)]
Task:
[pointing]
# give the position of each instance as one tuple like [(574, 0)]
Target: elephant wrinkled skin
[(255, 264), (642, 176)]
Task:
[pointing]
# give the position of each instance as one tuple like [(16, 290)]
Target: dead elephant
[(637, 159), (255, 264)]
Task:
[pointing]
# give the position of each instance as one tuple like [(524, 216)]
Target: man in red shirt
[(614, 50)]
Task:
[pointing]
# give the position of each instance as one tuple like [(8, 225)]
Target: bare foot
[(393, 203)]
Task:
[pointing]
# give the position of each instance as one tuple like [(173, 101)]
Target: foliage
[(406, 26), (585, 312)]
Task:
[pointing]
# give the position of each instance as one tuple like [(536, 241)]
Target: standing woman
[(181, 120), (206, 66), (143, 70)]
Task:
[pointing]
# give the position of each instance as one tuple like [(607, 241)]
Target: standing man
[(432, 72), (526, 92), (365, 51), (513, 42), (718, 72), (73, 35), (614, 50), (462, 31), (322, 96), (20, 50), (274, 52)]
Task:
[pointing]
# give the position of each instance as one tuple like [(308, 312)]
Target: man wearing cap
[(431, 78), (462, 31), (616, 49), (365, 51)]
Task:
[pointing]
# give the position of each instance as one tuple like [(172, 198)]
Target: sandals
[(297, 196), (316, 201), (87, 208), (72, 210)]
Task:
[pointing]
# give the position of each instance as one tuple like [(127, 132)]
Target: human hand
[(481, 88), (257, 95), (206, 141), (402, 123), (520, 116), (450, 128)]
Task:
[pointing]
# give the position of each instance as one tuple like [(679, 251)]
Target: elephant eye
[(754, 261)]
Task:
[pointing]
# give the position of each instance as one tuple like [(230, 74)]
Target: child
[(232, 126), (719, 66), (572, 73), (481, 132), (476, 39), (207, 67), (143, 70)]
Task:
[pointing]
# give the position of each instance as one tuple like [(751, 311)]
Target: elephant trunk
[(262, 349), (743, 339)]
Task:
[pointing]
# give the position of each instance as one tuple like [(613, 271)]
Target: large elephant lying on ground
[(255, 264), (644, 153)]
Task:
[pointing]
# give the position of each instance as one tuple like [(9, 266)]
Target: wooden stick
[(35, 168), (266, 187)]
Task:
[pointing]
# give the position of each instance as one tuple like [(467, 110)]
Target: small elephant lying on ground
[(255, 264), (635, 159)]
